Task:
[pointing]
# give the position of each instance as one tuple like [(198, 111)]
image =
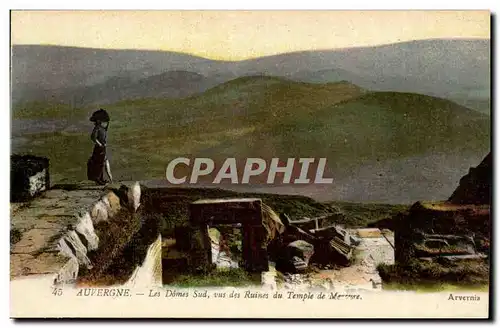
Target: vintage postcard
[(250, 164)]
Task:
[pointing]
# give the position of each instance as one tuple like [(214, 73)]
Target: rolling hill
[(380, 146), (456, 69), (171, 84), (376, 126)]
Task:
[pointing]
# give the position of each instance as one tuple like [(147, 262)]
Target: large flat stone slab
[(26, 264), (37, 241), (56, 206), (41, 223)]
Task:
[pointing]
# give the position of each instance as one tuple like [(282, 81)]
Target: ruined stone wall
[(132, 247), (100, 234), (440, 228), (85, 235)]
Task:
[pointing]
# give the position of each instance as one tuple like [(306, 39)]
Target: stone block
[(112, 202), (129, 195), (77, 248), (134, 196), (68, 273), (85, 227), (29, 176), (99, 212), (226, 211)]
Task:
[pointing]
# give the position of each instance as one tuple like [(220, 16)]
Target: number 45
[(57, 292)]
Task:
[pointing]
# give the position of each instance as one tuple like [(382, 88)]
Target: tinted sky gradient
[(234, 35)]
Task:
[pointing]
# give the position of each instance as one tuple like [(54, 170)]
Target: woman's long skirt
[(96, 166)]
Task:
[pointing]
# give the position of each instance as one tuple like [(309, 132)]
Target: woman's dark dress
[(96, 165)]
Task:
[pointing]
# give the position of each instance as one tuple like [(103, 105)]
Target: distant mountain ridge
[(171, 84), (457, 69)]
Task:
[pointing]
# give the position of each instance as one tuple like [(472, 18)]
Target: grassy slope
[(263, 117), (145, 134), (375, 126), (366, 214), (229, 277)]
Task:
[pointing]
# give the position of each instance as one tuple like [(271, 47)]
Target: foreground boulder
[(475, 187), (295, 257)]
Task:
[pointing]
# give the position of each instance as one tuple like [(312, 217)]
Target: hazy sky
[(239, 35)]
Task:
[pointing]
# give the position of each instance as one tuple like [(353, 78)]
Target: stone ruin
[(247, 212), (86, 236), (266, 236), (456, 229), (29, 176), (307, 240), (90, 235)]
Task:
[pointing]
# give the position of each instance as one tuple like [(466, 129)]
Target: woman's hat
[(100, 115)]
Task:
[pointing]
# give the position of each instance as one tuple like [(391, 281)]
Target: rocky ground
[(37, 226), (374, 248)]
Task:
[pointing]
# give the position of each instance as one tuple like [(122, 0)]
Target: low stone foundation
[(433, 229), (86, 235)]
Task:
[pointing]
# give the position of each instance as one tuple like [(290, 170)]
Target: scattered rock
[(85, 228), (72, 242), (99, 212), (295, 257)]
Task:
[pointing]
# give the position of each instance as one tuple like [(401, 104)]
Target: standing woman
[(98, 168)]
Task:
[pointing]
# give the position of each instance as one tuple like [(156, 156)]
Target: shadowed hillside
[(377, 144)]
